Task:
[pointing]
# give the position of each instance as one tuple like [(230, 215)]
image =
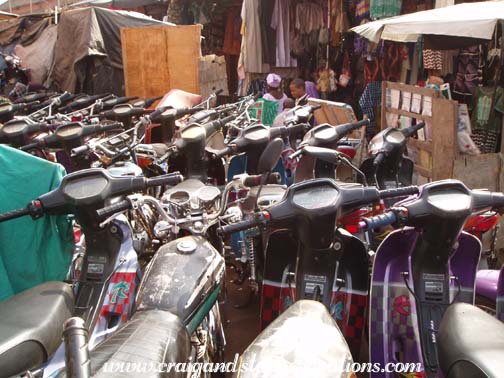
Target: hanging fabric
[(385, 8), (281, 22), (251, 43)]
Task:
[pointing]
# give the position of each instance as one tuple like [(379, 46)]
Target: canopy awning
[(117, 3), (7, 15), (467, 20)]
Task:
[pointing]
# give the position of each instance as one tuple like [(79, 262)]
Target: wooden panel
[(144, 59), (409, 88), (484, 171), (444, 136), (421, 144), (408, 114), (159, 58), (184, 50)]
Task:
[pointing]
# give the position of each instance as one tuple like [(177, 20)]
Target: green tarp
[(31, 252)]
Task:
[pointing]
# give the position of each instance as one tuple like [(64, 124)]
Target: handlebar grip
[(170, 179), (240, 226), (296, 129), (361, 123), (156, 113), (79, 150), (413, 129), (65, 97), (14, 214), (378, 220), (218, 92), (255, 180), (379, 158), (224, 152), (111, 126), (399, 192), (113, 209), (30, 146)]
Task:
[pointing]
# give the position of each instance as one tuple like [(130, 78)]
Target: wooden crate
[(434, 156), (159, 58)]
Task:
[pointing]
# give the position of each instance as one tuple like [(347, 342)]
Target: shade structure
[(467, 20), (118, 3)]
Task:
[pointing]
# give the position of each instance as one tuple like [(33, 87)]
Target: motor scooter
[(103, 290), (387, 167), (308, 257), (420, 270)]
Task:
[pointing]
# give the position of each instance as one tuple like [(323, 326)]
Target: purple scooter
[(420, 270)]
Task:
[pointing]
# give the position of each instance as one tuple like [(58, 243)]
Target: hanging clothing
[(268, 34), (282, 24), (369, 101), (385, 8), (362, 9), (339, 21), (252, 51), (432, 59), (309, 17), (232, 36), (469, 70), (280, 101)]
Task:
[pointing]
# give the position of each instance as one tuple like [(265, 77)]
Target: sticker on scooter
[(120, 290), (402, 306), (337, 311)]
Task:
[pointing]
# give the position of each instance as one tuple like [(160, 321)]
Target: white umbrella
[(471, 20)]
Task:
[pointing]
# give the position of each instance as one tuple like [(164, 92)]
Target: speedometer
[(69, 130), (13, 128), (85, 187), (450, 200), (315, 197)]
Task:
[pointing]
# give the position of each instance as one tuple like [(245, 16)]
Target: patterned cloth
[(432, 59), (385, 8), (370, 99), (265, 111)]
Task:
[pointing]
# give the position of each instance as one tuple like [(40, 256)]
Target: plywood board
[(444, 137), (484, 171), (159, 58)]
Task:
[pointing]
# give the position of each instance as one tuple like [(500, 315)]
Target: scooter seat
[(304, 341), (471, 343), (31, 326), (150, 338)]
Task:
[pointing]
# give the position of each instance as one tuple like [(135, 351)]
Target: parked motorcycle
[(387, 167), (304, 341), (307, 257), (421, 269), (102, 293)]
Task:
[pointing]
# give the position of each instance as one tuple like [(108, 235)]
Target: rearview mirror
[(270, 156)]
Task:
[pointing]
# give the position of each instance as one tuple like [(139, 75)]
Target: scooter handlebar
[(255, 180), (8, 215), (253, 221), (413, 129), (399, 192), (169, 179), (113, 209), (377, 221)]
